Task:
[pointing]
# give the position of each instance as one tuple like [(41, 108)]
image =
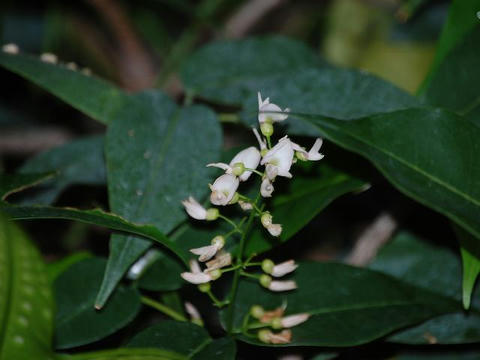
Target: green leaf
[(12, 183), (443, 354), (156, 156), (94, 216), (229, 71), (309, 192), (223, 348), (77, 322), (338, 93), (79, 162), (455, 85), (128, 354), (188, 338), (348, 306), (26, 306), (405, 257), (462, 18), (162, 275), (89, 94), (429, 155), (54, 269)]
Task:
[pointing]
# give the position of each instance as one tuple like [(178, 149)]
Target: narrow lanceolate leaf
[(229, 71), (78, 162), (407, 256), (156, 155), (94, 216), (348, 306), (89, 94), (13, 183), (309, 192), (430, 155), (26, 306), (77, 322), (188, 340)]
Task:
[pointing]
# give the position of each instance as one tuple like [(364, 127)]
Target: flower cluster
[(276, 161)]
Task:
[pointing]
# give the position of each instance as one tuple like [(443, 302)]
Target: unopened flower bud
[(238, 168), (266, 128), (265, 280), (218, 241), (215, 274), (267, 266), (277, 323), (266, 219), (264, 336), (257, 311), (212, 214), (204, 287)]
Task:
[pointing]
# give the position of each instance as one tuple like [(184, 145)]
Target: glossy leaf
[(89, 94), (56, 268), (12, 183), (309, 192), (438, 168), (229, 71), (77, 322), (223, 348), (26, 305), (128, 354), (94, 216), (162, 275), (338, 93), (405, 257), (348, 306), (188, 339), (78, 162), (151, 143)]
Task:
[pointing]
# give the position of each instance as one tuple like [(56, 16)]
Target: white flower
[(313, 154), (193, 312), (49, 58), (266, 188), (196, 276), (261, 142), (274, 229), (271, 171), (294, 320), (221, 260), (223, 189), (284, 268), (282, 285), (249, 157), (194, 209), (280, 157), (207, 252), (245, 205), (268, 112), (10, 48), (269, 337)]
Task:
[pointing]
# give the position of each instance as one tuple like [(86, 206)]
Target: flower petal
[(282, 285), (196, 278), (284, 268)]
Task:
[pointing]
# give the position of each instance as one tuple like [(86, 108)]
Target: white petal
[(294, 320), (222, 166), (272, 171), (250, 157), (194, 209), (272, 112), (281, 155), (192, 311), (205, 252), (275, 229), (10, 48), (282, 285), (195, 266), (313, 154), (223, 189), (284, 268), (221, 260), (266, 189), (261, 143), (245, 205), (196, 278)]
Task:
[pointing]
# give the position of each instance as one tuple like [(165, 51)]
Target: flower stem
[(255, 171), (162, 308), (229, 221), (269, 143), (215, 300), (243, 273)]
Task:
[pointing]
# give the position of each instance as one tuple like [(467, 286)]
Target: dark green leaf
[(308, 193), (223, 348), (94, 216), (156, 155), (78, 162), (229, 71), (430, 155), (437, 270), (89, 94), (54, 269), (439, 355), (77, 322), (26, 306), (128, 354), (349, 306), (13, 183), (188, 339), (162, 275)]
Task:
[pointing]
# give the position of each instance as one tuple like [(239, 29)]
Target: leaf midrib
[(9, 291)]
